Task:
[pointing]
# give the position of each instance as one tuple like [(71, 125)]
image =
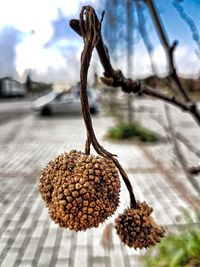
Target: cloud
[(9, 37), (34, 35), (47, 63), (43, 42), (187, 62)]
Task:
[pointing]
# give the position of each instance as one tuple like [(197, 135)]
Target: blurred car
[(65, 102)]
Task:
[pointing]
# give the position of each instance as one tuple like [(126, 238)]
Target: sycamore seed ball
[(137, 229), (80, 191)]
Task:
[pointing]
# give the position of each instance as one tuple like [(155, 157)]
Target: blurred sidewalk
[(30, 238)]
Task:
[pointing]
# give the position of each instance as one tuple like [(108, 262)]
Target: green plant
[(134, 130), (182, 250)]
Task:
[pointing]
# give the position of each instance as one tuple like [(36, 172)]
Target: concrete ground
[(27, 235)]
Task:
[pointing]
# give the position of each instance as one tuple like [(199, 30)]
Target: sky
[(35, 36)]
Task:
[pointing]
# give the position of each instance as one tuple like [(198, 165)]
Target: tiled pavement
[(28, 237)]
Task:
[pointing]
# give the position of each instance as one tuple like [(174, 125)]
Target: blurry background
[(39, 73)]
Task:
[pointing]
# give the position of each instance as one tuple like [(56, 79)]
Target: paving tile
[(51, 237), (38, 230), (3, 243), (63, 263), (81, 256), (25, 263), (65, 247), (31, 249), (116, 257), (45, 257), (19, 239), (9, 259), (99, 262)]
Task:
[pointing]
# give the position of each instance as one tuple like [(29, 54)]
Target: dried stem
[(90, 30), (87, 145), (100, 47)]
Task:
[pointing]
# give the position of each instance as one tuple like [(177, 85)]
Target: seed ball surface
[(80, 191), (137, 229)]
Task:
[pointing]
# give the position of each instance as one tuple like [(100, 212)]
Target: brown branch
[(87, 145), (100, 47), (90, 30), (116, 78), (169, 49)]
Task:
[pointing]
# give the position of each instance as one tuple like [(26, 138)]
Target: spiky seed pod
[(80, 191), (137, 229)]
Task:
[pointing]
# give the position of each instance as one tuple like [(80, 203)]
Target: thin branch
[(169, 49), (90, 30)]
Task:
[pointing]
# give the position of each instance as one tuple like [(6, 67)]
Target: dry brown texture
[(80, 190), (136, 227)]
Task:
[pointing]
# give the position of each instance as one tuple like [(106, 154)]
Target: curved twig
[(90, 30)]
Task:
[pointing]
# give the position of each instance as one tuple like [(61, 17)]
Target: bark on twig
[(169, 49), (90, 30)]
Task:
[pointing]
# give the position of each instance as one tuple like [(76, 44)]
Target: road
[(12, 109)]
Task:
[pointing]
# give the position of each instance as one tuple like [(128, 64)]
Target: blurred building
[(10, 87)]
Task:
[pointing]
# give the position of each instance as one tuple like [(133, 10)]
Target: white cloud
[(31, 55), (34, 18), (159, 60), (28, 15), (186, 62)]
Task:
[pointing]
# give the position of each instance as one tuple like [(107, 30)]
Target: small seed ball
[(80, 191), (137, 229)]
